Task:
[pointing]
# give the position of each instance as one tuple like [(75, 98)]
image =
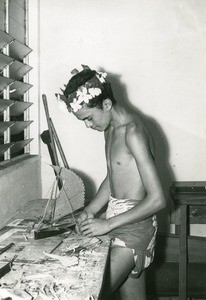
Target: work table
[(65, 266)]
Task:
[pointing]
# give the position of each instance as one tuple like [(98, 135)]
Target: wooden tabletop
[(65, 266)]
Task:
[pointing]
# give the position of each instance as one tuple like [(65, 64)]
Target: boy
[(131, 189)]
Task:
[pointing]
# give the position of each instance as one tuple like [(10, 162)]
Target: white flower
[(82, 95), (82, 90), (101, 76), (94, 92), (85, 98), (76, 105)]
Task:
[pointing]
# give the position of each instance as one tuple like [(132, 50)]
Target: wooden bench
[(180, 262)]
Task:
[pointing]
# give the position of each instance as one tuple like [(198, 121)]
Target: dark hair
[(77, 80), (80, 79)]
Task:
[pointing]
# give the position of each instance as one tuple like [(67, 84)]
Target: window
[(14, 79)]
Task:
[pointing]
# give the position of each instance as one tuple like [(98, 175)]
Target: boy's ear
[(107, 105)]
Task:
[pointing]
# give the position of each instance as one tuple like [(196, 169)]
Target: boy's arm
[(100, 200)]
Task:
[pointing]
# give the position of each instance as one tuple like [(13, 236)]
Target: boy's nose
[(88, 123)]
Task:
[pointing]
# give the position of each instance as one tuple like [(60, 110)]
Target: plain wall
[(154, 53)]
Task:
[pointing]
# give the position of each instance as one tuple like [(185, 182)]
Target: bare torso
[(125, 180)]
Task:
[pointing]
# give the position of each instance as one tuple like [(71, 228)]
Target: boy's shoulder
[(137, 131), (135, 127)]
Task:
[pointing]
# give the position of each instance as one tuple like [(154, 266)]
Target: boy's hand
[(82, 217), (94, 227)]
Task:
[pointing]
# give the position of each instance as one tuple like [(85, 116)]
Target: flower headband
[(84, 93)]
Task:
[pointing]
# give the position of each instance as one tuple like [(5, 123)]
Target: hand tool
[(52, 231), (4, 249), (7, 267)]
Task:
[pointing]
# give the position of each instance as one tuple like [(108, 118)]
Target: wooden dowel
[(59, 145)]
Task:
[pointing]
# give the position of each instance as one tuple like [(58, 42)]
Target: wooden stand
[(186, 194)]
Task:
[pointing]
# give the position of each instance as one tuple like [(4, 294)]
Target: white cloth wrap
[(118, 206)]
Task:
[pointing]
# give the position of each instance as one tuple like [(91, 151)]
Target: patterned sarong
[(139, 236)]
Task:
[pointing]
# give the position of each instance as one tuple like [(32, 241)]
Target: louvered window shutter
[(14, 79)]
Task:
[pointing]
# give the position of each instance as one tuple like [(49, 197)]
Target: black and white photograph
[(102, 150)]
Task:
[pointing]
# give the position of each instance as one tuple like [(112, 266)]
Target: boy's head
[(87, 87)]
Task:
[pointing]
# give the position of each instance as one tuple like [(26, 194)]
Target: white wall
[(156, 48)]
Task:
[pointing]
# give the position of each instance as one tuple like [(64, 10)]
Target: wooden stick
[(54, 156), (59, 145)]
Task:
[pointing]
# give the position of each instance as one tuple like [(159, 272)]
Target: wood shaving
[(66, 261)]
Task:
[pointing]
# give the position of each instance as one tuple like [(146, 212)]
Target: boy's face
[(94, 118)]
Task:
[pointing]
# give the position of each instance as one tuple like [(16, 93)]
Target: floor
[(171, 298)]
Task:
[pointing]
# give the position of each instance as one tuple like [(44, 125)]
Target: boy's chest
[(116, 149)]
